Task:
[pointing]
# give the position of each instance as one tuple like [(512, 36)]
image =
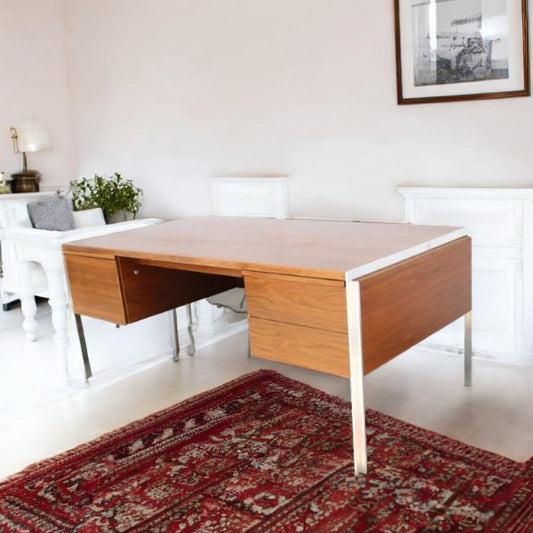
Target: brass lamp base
[(26, 181)]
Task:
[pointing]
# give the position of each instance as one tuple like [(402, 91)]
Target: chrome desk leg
[(192, 346), (83, 346), (355, 350), (176, 353), (468, 349)]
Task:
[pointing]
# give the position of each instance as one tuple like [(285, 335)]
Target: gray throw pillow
[(51, 213)]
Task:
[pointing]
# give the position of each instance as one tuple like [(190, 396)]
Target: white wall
[(172, 91), (35, 85)]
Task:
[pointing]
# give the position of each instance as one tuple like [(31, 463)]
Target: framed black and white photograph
[(461, 50)]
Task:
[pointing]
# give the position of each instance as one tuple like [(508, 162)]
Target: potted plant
[(118, 197)]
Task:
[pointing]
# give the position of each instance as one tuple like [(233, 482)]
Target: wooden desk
[(337, 297)]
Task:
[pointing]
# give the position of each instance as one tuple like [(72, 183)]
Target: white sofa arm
[(45, 239)]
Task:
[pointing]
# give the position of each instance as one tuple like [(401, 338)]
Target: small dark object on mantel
[(25, 181)]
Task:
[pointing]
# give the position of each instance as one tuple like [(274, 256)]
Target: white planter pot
[(89, 218)]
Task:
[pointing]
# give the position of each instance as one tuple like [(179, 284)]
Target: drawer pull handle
[(136, 272)]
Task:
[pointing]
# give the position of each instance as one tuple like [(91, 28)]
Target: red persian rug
[(265, 453)]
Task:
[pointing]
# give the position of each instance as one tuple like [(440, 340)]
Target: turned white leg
[(58, 301), (27, 299)]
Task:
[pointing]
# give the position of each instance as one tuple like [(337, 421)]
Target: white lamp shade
[(32, 137)]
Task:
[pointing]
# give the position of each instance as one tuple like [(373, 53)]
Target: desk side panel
[(403, 304), (95, 287)]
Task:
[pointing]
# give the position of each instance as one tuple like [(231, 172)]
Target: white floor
[(40, 416)]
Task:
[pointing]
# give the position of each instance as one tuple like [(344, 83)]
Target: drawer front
[(95, 288), (317, 349), (307, 302)]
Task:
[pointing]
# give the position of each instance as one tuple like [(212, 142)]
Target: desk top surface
[(312, 248)]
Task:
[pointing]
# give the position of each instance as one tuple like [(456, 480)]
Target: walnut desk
[(337, 297)]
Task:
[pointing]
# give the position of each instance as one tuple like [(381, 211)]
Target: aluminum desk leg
[(176, 351), (83, 346), (468, 349), (355, 350), (192, 346)]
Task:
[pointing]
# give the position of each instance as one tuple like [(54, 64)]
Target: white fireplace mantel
[(500, 221)]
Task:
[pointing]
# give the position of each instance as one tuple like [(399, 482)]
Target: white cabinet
[(500, 221)]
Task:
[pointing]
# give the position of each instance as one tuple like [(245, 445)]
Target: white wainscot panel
[(500, 222), (490, 223)]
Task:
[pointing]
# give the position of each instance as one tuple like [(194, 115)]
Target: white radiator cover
[(249, 196)]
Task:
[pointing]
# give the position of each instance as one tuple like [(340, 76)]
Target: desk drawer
[(95, 287), (317, 349), (126, 290), (315, 303)]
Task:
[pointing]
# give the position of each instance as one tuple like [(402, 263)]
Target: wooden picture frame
[(449, 50)]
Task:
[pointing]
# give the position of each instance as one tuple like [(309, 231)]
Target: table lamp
[(28, 137)]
